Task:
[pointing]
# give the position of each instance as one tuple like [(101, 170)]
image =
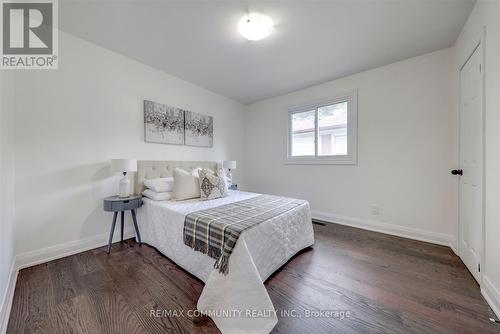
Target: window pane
[(332, 126), (303, 133)]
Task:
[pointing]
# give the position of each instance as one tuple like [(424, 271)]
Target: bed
[(238, 301)]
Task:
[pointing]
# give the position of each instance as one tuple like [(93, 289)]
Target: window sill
[(346, 161)]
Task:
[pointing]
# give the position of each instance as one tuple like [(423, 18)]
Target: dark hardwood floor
[(386, 284)]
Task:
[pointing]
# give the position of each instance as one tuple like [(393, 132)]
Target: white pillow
[(160, 184), (157, 196), (186, 185), (195, 171)]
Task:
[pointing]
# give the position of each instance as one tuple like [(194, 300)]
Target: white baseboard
[(43, 255), (28, 259), (492, 295), (8, 297), (392, 229), (454, 248)]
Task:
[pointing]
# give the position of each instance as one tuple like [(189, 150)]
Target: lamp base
[(229, 178), (124, 187)]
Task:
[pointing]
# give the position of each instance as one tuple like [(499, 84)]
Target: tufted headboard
[(151, 169)]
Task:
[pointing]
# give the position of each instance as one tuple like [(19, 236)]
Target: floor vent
[(318, 223)]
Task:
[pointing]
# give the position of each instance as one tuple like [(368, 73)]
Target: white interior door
[(471, 164)]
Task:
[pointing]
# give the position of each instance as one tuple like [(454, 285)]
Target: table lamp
[(124, 166), (229, 164)]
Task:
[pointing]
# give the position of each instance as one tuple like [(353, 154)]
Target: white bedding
[(258, 253)]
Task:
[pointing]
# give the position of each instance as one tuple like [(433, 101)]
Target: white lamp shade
[(230, 164), (123, 165)]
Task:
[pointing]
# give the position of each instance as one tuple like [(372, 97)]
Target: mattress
[(259, 252)]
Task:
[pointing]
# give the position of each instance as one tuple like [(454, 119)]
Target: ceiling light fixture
[(255, 26)]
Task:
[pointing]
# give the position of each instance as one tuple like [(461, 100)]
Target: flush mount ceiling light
[(255, 26)]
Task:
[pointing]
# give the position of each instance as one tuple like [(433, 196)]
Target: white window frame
[(352, 133)]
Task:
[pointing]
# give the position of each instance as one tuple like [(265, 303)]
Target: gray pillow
[(211, 186)]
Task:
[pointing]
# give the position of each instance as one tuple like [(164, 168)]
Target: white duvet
[(237, 302)]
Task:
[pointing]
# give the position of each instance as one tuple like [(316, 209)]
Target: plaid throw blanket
[(215, 231)]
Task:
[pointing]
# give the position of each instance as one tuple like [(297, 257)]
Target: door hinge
[(479, 267), (480, 68)]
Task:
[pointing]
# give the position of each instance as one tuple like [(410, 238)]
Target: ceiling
[(312, 43)]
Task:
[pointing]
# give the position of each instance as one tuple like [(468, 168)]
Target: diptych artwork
[(163, 124), (199, 129), (170, 125)]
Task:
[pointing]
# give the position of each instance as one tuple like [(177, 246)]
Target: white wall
[(407, 144), (487, 14), (70, 122), (6, 192)]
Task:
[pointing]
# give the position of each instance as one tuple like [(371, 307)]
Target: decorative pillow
[(157, 196), (222, 173), (160, 184), (196, 171), (186, 185), (211, 186)]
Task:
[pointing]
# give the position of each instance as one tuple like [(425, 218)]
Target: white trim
[(340, 160), (479, 44), (392, 229), (454, 247), (43, 255), (352, 133), (491, 294), (47, 254), (483, 143), (8, 297)]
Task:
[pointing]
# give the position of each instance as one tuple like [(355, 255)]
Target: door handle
[(457, 172)]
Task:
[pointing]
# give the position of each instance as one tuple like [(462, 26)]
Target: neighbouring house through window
[(324, 132)]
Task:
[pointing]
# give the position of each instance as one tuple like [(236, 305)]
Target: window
[(323, 133)]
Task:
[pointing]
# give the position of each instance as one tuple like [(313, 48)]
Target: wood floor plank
[(76, 315), (385, 283)]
